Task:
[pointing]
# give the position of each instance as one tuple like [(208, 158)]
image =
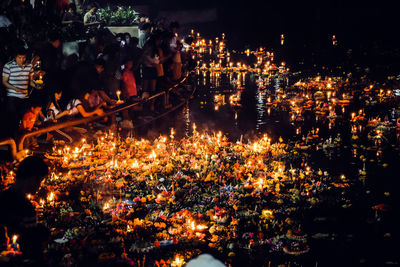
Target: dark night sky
[(303, 21), (353, 21)]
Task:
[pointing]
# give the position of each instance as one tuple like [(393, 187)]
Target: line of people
[(56, 79)]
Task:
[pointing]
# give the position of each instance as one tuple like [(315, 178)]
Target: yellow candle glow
[(14, 239), (135, 164), (153, 155), (178, 262), (267, 213), (50, 197)]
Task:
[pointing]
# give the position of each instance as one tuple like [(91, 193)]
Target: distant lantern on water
[(334, 41)]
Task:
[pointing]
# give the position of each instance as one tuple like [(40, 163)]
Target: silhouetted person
[(18, 216), (71, 16), (91, 19)]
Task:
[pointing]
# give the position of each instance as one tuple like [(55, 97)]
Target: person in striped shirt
[(16, 79)]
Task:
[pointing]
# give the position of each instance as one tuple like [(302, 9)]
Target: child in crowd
[(28, 121), (129, 82), (54, 113), (53, 109), (99, 98), (150, 60), (129, 92), (80, 106), (176, 67)]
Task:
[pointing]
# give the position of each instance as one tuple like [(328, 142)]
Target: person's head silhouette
[(30, 173)]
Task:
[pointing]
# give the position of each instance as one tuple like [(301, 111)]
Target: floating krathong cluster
[(128, 197)]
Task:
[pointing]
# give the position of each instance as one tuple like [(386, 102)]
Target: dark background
[(367, 31), (261, 22)]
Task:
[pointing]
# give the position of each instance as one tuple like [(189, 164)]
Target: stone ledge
[(132, 30)]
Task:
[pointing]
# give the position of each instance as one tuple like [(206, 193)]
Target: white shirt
[(73, 107), (4, 21)]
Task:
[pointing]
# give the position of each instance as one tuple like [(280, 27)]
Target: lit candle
[(334, 41), (106, 206), (178, 262), (118, 94), (15, 245), (50, 198), (135, 164)]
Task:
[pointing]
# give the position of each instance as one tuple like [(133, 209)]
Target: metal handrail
[(92, 118), (11, 143)]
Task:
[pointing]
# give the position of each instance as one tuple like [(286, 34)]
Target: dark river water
[(355, 236)]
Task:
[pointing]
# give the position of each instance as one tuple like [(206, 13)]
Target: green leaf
[(121, 16)]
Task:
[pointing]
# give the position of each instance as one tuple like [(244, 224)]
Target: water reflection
[(186, 115), (232, 103), (260, 108)]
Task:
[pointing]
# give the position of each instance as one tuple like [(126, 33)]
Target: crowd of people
[(58, 78)]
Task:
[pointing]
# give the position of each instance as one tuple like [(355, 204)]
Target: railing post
[(21, 143)]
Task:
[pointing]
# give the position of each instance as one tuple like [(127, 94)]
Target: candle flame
[(267, 213), (255, 147), (153, 155), (178, 261), (135, 164), (201, 227), (50, 197), (260, 183)]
